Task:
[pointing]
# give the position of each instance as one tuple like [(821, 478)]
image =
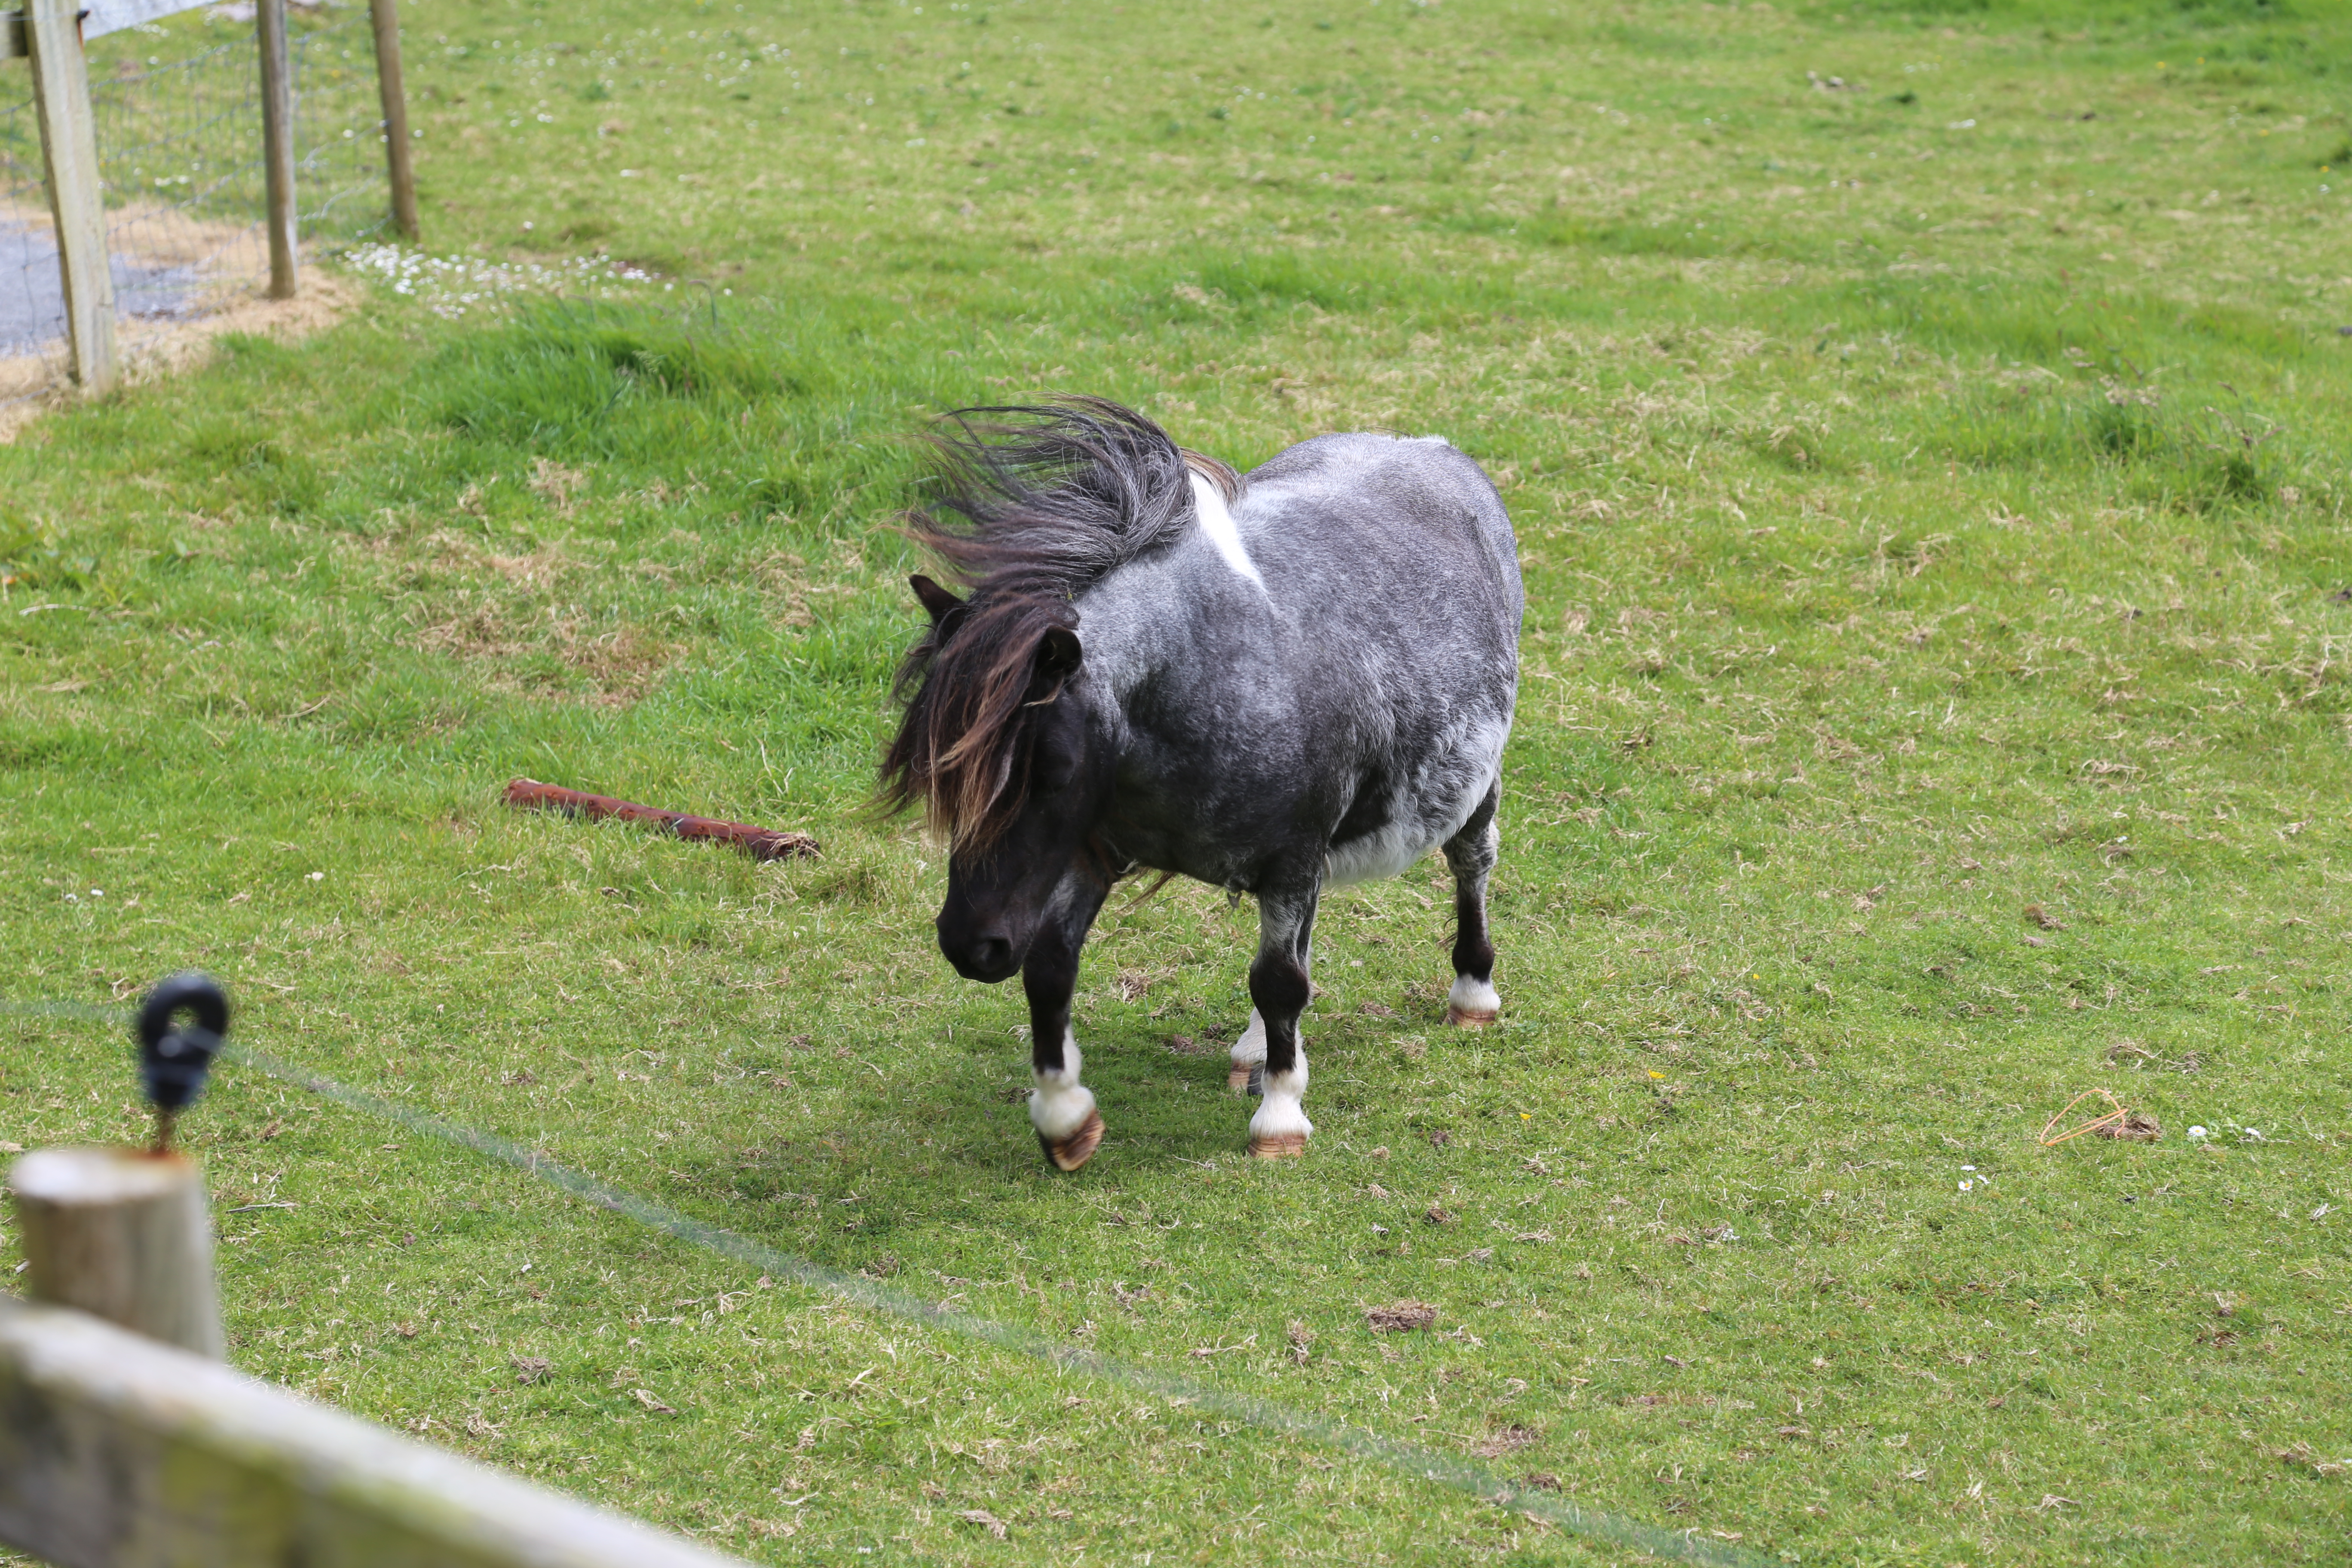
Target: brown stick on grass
[(759, 843)]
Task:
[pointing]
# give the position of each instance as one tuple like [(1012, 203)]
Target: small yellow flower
[(1657, 1074)]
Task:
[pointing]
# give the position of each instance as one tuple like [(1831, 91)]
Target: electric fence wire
[(1412, 1460)]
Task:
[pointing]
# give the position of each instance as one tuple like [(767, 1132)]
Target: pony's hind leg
[(1471, 854), (1280, 988), (1061, 1109)]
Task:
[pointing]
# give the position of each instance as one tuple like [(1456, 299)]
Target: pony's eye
[(1058, 759)]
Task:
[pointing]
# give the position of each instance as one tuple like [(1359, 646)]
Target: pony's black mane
[(1031, 505)]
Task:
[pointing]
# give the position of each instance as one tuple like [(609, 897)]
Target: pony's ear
[(944, 606), (1059, 654)]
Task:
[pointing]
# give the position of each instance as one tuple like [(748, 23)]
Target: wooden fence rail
[(125, 1442), (119, 1452)]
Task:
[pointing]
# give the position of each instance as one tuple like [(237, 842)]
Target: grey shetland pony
[(1273, 683)]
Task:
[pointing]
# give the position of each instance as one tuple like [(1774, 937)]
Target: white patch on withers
[(1061, 1104), (1474, 996), (1217, 523), (1280, 1112)]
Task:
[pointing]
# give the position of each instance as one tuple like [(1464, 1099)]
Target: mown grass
[(1935, 706)]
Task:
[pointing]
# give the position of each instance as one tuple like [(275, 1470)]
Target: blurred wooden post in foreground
[(386, 16), (69, 143), (123, 1235)]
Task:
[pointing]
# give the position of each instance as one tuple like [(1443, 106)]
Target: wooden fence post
[(386, 14), (123, 1235), (277, 142), (70, 144)]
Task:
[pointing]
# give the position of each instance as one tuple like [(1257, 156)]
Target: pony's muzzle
[(987, 959)]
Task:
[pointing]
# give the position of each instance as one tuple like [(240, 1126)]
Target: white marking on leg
[(1281, 1113), (1061, 1104), (1471, 994), (1250, 1049), (1217, 524)]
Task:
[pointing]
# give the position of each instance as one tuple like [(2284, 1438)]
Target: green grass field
[(1926, 433)]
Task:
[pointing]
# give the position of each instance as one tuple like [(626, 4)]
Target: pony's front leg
[(1062, 1108), (1280, 987)]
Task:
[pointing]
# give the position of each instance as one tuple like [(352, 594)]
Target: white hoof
[(1061, 1104), (1280, 1127), (1472, 1004)]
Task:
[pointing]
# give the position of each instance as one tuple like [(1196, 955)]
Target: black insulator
[(174, 1053)]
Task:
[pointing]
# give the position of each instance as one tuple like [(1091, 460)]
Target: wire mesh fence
[(31, 302), (179, 155), (338, 132)]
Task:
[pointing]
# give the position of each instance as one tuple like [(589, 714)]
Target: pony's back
[(1397, 550)]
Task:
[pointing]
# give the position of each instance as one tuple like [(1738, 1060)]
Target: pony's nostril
[(993, 955)]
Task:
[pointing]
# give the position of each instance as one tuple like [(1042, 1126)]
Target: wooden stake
[(386, 14), (69, 143), (123, 1235), (759, 843), (277, 142)]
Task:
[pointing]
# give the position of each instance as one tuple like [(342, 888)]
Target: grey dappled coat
[(1351, 702)]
